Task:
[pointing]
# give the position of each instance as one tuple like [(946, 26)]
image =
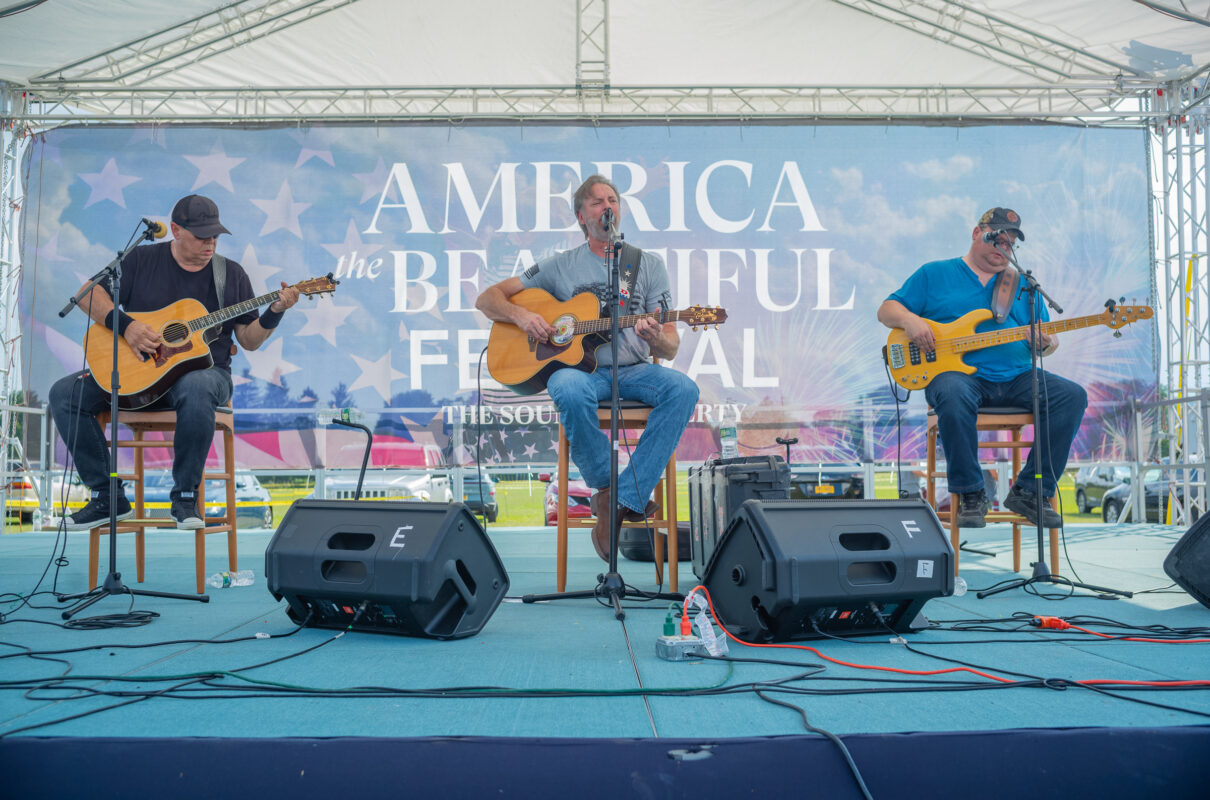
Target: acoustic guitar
[(523, 364), (186, 329), (913, 368)]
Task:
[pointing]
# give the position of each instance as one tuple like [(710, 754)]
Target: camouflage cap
[(1003, 219)]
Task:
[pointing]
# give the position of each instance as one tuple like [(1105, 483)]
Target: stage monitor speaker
[(420, 569), (804, 569), (1188, 563)]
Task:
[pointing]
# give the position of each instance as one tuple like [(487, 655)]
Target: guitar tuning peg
[(1117, 334), (1122, 300)]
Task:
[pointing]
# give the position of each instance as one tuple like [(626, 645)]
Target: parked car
[(391, 484), (1093, 481), (578, 495), (1158, 485), (826, 482), (252, 504), (25, 491), (398, 471), (479, 495)]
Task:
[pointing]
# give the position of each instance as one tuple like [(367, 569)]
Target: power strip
[(679, 648)]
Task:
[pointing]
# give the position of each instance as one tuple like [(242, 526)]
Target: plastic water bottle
[(959, 586), (729, 441), (221, 580)]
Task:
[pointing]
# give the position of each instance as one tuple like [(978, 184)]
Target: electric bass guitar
[(186, 329), (912, 368), (523, 364)]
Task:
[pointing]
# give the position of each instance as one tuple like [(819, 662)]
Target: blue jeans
[(957, 397), (76, 399), (672, 397)]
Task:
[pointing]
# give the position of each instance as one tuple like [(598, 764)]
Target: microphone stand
[(1041, 573), (610, 584), (112, 585)]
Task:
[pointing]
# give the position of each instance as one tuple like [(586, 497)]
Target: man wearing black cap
[(155, 276), (943, 291)]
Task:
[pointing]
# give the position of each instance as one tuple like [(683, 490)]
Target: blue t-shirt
[(943, 291)]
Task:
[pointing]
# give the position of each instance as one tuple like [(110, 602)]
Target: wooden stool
[(633, 415), (140, 423), (1008, 419)]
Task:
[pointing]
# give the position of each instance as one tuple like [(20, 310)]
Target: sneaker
[(184, 511), (972, 511), (1026, 504), (96, 513)]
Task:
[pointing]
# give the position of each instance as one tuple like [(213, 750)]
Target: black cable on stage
[(844, 751), (192, 680)]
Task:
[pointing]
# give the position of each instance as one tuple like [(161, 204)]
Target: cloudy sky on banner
[(799, 232)]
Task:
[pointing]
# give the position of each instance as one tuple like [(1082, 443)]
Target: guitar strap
[(1004, 292), (628, 262), (220, 276)]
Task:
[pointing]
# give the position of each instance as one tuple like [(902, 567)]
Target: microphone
[(607, 219), (991, 236), (155, 230)]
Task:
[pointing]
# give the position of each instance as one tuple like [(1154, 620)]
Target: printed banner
[(798, 232)]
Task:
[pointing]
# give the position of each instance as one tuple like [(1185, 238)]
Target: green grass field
[(521, 501)]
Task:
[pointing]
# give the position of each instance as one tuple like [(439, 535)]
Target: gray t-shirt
[(580, 270)]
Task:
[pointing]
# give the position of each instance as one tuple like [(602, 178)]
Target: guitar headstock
[(703, 315), (1116, 316), (324, 285)]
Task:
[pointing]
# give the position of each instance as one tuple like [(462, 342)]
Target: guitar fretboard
[(629, 320), (977, 341), (231, 312)]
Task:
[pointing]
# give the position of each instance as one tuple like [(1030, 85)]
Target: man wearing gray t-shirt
[(576, 393)]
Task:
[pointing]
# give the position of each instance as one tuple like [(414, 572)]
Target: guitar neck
[(231, 312), (628, 321), (978, 341)]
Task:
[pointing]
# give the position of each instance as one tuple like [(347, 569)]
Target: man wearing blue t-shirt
[(943, 291), (671, 394)]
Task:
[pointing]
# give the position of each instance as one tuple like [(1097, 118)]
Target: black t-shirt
[(151, 279)]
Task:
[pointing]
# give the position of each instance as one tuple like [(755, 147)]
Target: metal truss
[(1104, 102), (592, 47), (189, 42), (1181, 144), (990, 37)]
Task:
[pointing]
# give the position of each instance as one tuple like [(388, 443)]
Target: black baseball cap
[(199, 216), (1003, 219)]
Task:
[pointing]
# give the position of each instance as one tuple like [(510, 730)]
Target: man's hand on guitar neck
[(142, 338)]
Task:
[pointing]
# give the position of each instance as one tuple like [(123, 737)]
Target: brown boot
[(650, 510), (599, 503)]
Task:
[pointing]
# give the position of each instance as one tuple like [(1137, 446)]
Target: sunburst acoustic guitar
[(913, 368), (517, 360), (186, 330)]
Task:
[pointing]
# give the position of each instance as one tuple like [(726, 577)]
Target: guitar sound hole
[(175, 332)]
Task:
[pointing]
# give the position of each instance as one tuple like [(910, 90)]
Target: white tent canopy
[(1084, 60)]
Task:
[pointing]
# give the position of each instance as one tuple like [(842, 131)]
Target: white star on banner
[(267, 362), (352, 246), (372, 182), (530, 451), (376, 375), (315, 144), (214, 168), (282, 212), (323, 318), (258, 273), (107, 184), (50, 250)]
